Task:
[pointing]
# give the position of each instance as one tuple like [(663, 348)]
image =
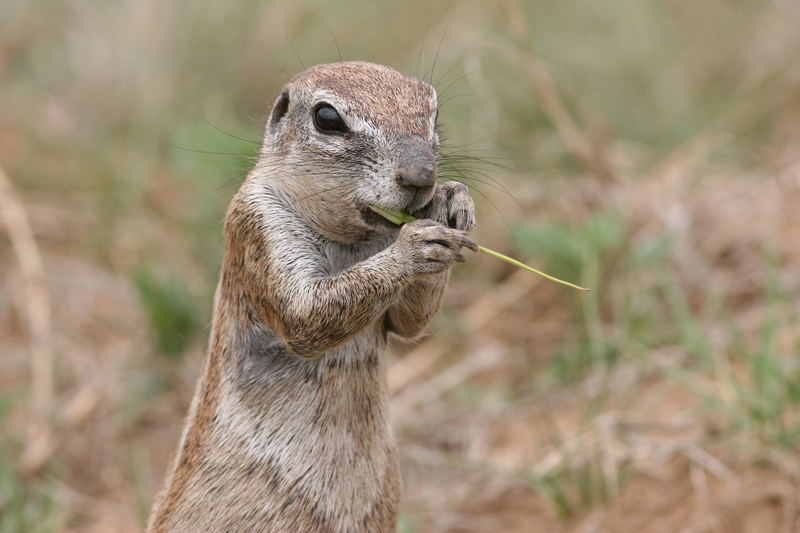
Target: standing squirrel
[(288, 429)]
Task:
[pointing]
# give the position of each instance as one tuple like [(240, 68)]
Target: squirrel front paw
[(432, 247), (451, 205)]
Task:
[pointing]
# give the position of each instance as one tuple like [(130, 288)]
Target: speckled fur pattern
[(287, 431)]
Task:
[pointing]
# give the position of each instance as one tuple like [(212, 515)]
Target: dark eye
[(327, 120)]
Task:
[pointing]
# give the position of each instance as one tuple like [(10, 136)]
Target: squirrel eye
[(327, 120)]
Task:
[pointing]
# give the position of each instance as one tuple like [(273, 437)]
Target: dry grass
[(651, 153)]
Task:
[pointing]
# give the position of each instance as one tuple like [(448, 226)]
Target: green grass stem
[(401, 217)]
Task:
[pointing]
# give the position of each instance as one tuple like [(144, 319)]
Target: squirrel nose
[(417, 167), (419, 176)]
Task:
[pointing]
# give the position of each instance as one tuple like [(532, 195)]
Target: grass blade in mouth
[(395, 217), (401, 217)]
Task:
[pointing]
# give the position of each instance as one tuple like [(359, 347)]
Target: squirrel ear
[(279, 109)]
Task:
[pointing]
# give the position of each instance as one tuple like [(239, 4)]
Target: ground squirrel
[(288, 428)]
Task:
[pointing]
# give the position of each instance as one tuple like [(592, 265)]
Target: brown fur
[(288, 427)]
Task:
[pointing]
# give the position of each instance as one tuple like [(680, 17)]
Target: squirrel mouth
[(374, 219)]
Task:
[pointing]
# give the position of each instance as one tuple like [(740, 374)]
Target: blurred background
[(647, 150)]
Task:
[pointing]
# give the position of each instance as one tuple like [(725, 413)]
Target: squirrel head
[(342, 136)]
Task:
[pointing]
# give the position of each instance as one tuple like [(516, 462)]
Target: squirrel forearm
[(314, 316), (416, 305)]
